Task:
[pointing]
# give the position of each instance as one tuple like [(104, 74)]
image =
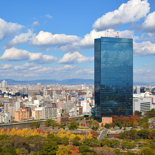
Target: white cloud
[(48, 39), (144, 48), (75, 57), (141, 71), (19, 67), (8, 29), (85, 71), (14, 54), (128, 12), (88, 40), (22, 38), (148, 25), (28, 65), (6, 66), (27, 75), (49, 16), (35, 68), (36, 23)]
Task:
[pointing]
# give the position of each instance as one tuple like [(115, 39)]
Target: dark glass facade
[(113, 77)]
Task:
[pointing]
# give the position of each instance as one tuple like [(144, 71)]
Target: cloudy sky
[(55, 39)]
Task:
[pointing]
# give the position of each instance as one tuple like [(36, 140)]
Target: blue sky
[(54, 39)]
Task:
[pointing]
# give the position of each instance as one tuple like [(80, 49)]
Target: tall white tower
[(4, 84)]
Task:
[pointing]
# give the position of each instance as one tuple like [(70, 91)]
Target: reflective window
[(113, 77)]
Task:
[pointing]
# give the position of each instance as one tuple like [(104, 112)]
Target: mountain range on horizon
[(64, 82), (47, 81)]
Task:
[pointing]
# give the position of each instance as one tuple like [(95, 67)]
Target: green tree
[(50, 122), (114, 143), (143, 120), (118, 123), (36, 142), (84, 148), (92, 142), (35, 124), (49, 148), (144, 133), (105, 142), (146, 151), (127, 145), (107, 125), (133, 134), (139, 113), (64, 141), (76, 141), (118, 152), (151, 113), (73, 125)]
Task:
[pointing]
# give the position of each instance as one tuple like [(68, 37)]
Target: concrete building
[(143, 104), (39, 86), (11, 110), (50, 111), (38, 113), (4, 84), (6, 106), (21, 115)]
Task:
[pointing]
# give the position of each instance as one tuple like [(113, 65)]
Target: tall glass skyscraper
[(113, 77)]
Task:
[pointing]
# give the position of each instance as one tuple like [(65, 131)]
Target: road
[(103, 133)]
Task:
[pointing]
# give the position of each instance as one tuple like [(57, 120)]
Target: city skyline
[(56, 40)]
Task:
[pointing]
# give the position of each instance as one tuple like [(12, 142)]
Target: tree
[(146, 151), (107, 125), (2, 132), (151, 113), (114, 143), (61, 133), (94, 134), (13, 132), (145, 125), (50, 122), (36, 142), (76, 141), (127, 145), (139, 113), (49, 148), (35, 124), (95, 123), (45, 134), (73, 125), (104, 151), (144, 133), (64, 150), (118, 152), (133, 134), (64, 141), (68, 133), (105, 142), (72, 136), (90, 136), (92, 142), (118, 123), (84, 148), (22, 144)]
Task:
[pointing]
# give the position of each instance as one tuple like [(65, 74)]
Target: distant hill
[(64, 82), (140, 83), (45, 81)]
